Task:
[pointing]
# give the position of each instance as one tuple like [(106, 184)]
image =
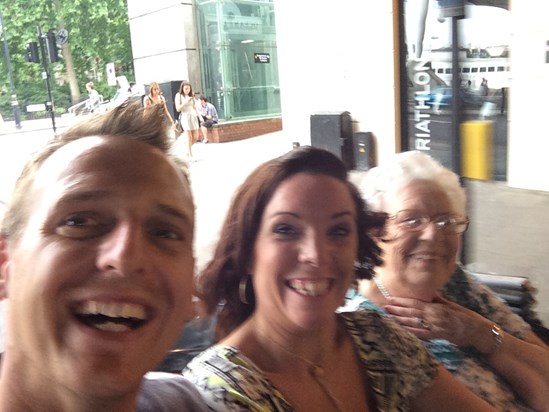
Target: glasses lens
[(412, 221), (462, 226)]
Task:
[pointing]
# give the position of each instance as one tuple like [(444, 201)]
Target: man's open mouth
[(112, 317)]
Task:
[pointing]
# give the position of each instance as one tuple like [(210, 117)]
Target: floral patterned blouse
[(397, 366), (468, 365)]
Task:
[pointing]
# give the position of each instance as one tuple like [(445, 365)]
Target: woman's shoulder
[(389, 353), (465, 290), (230, 381), (374, 330)]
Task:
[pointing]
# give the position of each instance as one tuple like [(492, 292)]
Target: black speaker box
[(334, 132), (364, 150), (169, 90)]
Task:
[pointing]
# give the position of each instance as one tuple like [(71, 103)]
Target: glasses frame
[(458, 226)]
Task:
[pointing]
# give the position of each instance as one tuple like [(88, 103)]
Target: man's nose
[(123, 249)]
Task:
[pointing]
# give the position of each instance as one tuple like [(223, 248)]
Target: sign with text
[(262, 57)]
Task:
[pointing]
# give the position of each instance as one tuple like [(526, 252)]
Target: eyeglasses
[(413, 221)]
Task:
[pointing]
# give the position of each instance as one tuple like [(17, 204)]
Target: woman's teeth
[(310, 287)]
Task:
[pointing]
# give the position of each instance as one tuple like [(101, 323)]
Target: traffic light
[(31, 55), (54, 54)]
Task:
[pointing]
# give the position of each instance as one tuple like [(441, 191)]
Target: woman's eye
[(445, 221), (411, 221), (167, 234), (284, 230), (340, 231)]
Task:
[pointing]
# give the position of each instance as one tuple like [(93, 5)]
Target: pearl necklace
[(381, 287), (315, 371)]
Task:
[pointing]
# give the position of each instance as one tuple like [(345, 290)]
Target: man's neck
[(20, 394)]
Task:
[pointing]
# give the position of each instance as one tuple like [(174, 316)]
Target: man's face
[(100, 282)]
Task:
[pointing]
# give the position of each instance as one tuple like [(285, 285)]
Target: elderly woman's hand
[(439, 319)]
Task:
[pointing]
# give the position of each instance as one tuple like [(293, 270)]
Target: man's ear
[(4, 267)]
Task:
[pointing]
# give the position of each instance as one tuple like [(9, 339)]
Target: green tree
[(98, 34)]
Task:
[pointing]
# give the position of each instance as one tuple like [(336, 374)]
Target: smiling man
[(96, 263)]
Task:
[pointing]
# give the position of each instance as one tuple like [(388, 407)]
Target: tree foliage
[(98, 34)]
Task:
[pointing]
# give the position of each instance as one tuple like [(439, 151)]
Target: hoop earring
[(243, 288)]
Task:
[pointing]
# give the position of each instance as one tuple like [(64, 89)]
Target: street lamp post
[(46, 75), (14, 102)]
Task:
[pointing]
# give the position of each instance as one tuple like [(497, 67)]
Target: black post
[(46, 75), (14, 102), (456, 99)]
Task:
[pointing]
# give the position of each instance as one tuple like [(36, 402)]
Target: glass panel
[(239, 57), (427, 31)]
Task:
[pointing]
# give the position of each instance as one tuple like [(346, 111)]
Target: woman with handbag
[(189, 116)]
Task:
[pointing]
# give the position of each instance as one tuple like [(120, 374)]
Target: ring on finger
[(422, 323)]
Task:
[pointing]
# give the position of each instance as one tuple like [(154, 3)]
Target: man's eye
[(80, 221), (81, 227)]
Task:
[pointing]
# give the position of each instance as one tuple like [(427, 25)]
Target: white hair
[(404, 168)]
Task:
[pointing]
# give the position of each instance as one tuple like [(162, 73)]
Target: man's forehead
[(123, 151), (79, 148), (80, 163)]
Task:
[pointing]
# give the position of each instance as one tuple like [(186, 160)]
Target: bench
[(519, 294)]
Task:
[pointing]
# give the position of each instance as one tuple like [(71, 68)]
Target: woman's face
[(155, 90), (305, 251), (186, 89), (423, 260)]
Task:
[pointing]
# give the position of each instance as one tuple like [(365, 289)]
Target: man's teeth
[(310, 287), (112, 310), (113, 327), (111, 317)]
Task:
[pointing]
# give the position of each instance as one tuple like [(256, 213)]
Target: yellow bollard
[(476, 149)]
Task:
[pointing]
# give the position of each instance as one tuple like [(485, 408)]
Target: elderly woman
[(294, 239), (474, 334)]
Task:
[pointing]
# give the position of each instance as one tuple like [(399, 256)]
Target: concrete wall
[(509, 234), (336, 56), (528, 132), (164, 41)]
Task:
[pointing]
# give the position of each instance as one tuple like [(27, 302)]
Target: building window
[(239, 58)]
